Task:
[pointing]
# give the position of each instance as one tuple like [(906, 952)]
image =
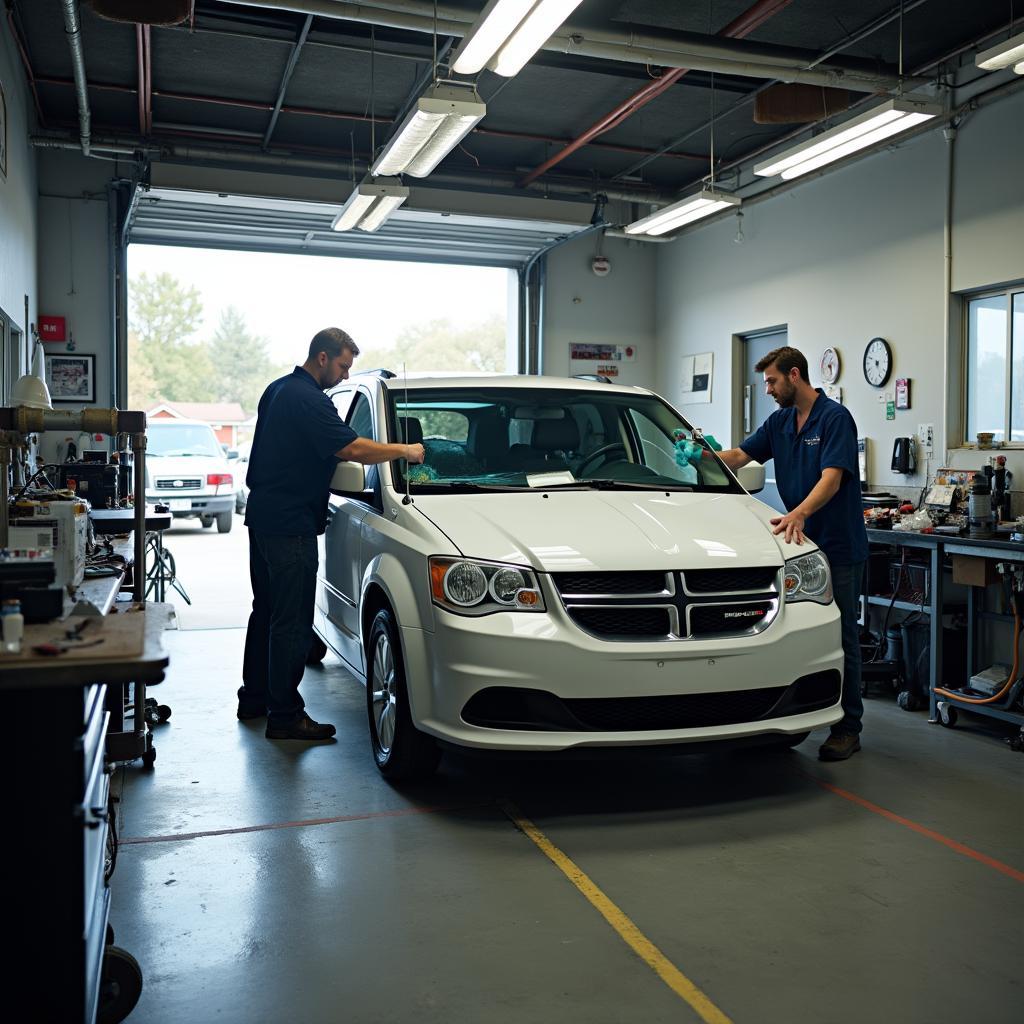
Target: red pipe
[(742, 26)]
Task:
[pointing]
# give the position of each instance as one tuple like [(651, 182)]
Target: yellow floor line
[(628, 932)]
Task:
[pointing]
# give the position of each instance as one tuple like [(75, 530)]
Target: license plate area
[(180, 504)]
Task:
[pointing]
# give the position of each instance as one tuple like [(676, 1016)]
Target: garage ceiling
[(296, 86)]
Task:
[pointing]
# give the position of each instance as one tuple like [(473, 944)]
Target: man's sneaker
[(839, 746), (247, 713), (303, 728)]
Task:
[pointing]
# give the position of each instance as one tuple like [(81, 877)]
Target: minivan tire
[(400, 750), (224, 521)]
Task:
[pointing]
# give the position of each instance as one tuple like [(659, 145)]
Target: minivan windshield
[(483, 438), (181, 439)]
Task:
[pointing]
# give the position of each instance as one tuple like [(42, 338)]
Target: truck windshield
[(525, 438), (181, 439)]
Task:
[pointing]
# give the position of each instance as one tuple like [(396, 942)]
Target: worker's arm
[(792, 524), (734, 458), (370, 453)]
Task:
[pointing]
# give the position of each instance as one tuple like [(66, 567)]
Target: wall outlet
[(926, 437)]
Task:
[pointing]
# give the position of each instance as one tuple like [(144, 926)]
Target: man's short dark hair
[(331, 340), (785, 359)]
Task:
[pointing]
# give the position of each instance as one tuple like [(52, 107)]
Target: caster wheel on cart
[(908, 700), (149, 754), (120, 985), (1016, 743), (947, 714)]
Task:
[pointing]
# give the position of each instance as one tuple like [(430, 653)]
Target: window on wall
[(995, 366)]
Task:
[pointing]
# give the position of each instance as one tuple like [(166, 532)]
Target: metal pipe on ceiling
[(338, 167), (293, 59), (73, 30), (627, 47)]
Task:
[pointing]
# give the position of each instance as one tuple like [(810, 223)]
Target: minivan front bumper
[(578, 691)]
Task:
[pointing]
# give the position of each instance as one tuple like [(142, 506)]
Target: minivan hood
[(578, 531)]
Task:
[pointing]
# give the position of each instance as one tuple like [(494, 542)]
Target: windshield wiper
[(462, 485), (606, 484)]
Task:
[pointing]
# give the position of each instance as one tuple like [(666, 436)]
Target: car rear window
[(181, 439)]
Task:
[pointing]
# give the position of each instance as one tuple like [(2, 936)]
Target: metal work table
[(118, 521), (939, 545)]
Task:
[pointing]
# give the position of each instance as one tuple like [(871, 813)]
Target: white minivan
[(187, 470), (551, 579)]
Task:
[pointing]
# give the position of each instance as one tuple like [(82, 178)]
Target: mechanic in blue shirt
[(813, 441), (299, 441)]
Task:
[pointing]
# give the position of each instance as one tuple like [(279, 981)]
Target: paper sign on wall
[(602, 353), (696, 379)]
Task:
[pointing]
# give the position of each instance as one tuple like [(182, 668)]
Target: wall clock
[(830, 366), (877, 362)]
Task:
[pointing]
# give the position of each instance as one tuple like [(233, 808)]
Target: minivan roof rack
[(378, 372), (593, 376)]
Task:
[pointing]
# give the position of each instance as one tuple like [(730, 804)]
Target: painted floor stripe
[(627, 930), (178, 837), (938, 837)]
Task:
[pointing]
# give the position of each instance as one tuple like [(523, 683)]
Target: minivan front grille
[(179, 483), (690, 605)]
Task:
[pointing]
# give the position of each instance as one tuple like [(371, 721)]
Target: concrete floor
[(779, 898)]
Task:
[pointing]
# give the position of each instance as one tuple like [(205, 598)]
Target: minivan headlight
[(808, 578), (471, 587)]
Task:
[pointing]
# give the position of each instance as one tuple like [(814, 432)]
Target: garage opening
[(224, 293)]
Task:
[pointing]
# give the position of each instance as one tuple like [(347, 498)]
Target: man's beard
[(788, 400)]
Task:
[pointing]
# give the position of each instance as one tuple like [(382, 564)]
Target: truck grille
[(188, 483), (694, 604)]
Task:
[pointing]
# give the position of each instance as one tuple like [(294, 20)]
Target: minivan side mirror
[(751, 477), (349, 480)]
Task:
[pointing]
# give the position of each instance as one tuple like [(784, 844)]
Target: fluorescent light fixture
[(372, 201), (705, 203), (1010, 51), (442, 117), (508, 33), (891, 118)]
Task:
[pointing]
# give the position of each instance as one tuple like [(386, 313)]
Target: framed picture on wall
[(71, 377)]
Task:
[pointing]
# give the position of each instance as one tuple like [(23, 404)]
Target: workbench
[(58, 850), (938, 546)]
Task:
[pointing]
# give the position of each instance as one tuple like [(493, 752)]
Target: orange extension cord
[(1009, 682)]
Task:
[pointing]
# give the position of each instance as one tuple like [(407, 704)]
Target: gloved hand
[(712, 442), (688, 452)]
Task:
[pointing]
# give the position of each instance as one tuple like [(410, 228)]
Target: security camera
[(601, 265)]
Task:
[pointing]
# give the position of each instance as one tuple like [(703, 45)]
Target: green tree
[(241, 363), (164, 315), (440, 346)]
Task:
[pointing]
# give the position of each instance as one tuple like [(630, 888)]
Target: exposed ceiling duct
[(73, 30)]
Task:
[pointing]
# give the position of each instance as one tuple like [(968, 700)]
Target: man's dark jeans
[(847, 583), (283, 574)]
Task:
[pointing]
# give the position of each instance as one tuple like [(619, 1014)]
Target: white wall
[(618, 309), (850, 256), (18, 239)]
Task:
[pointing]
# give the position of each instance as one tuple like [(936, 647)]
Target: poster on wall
[(604, 360), (71, 378), (696, 382)]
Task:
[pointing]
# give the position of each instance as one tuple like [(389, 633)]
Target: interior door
[(757, 406)]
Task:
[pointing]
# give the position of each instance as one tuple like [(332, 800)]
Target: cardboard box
[(974, 572)]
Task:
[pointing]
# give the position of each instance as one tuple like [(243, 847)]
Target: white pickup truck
[(550, 578), (187, 470)]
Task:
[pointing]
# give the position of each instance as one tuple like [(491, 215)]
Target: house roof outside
[(226, 413)]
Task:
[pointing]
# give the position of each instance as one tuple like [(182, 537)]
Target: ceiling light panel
[(705, 203), (1010, 51), (498, 20), (891, 118), (535, 30), (442, 117), (372, 201)]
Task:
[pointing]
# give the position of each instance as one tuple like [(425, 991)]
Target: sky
[(287, 299)]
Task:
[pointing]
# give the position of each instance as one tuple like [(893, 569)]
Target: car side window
[(360, 417), (342, 400)]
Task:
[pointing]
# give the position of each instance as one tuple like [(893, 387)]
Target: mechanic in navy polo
[(299, 441), (813, 441)]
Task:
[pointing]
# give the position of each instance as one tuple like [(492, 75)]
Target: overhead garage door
[(164, 216)]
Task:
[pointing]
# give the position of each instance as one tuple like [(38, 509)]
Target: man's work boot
[(303, 728), (839, 746)]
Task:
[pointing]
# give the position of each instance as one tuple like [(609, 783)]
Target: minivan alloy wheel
[(384, 704)]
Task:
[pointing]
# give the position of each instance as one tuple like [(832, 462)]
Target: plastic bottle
[(13, 625)]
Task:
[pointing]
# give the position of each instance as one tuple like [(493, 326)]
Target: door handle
[(746, 409)]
